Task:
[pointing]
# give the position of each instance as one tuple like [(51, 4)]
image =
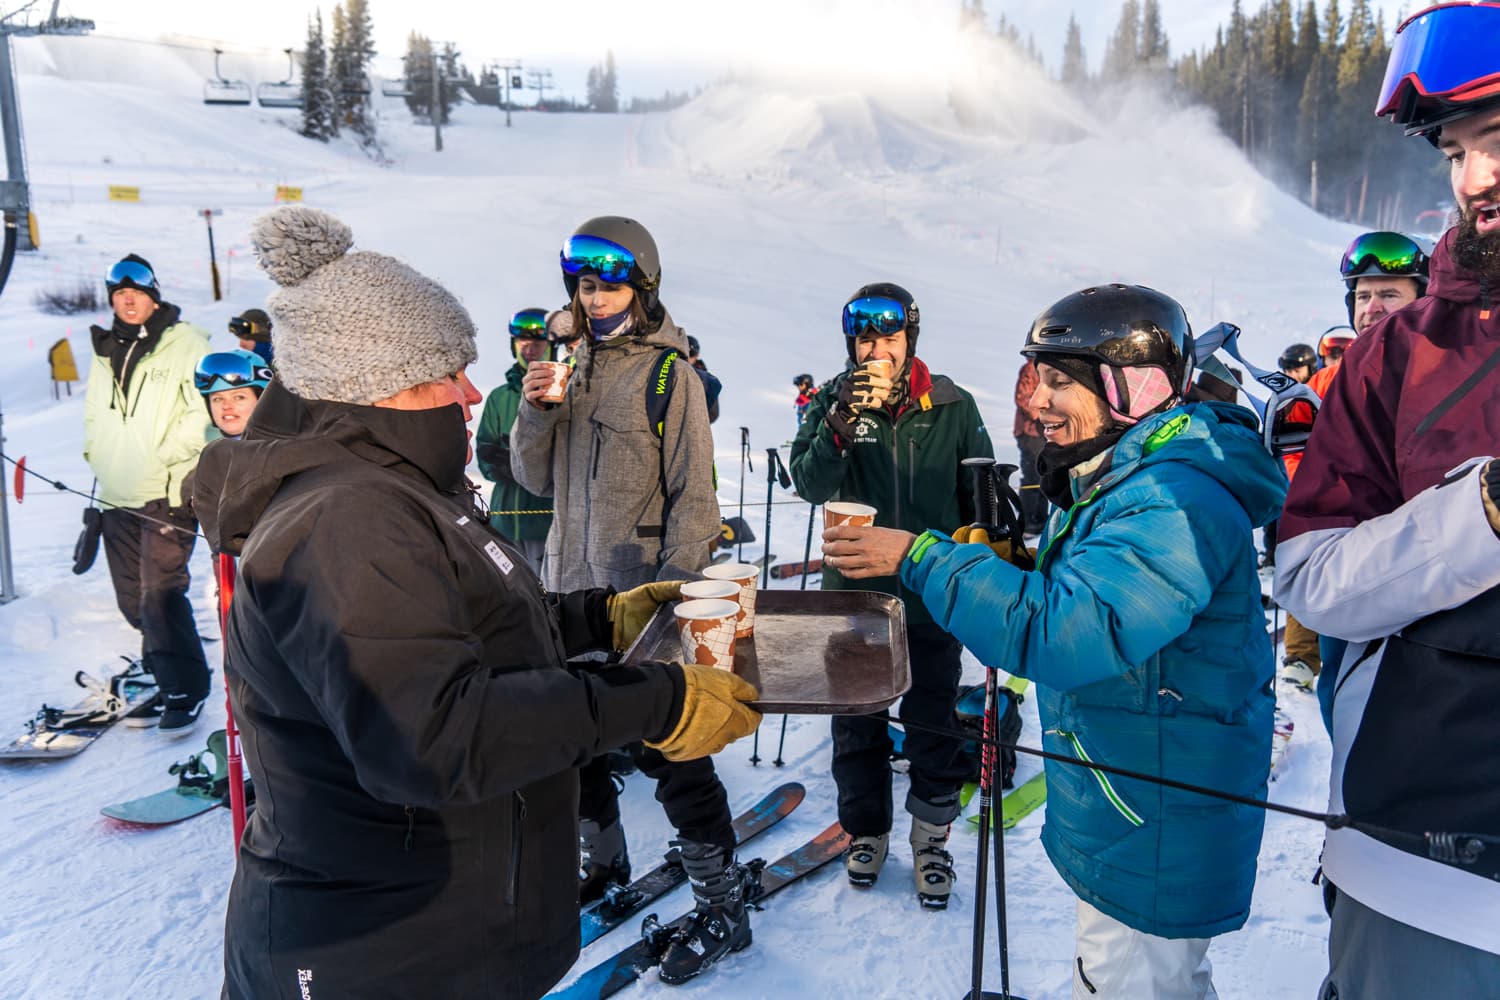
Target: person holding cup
[(634, 504), (885, 442)]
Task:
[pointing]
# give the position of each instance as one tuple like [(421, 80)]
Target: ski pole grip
[(985, 506)]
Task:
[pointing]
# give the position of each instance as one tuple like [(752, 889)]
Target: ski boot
[(719, 923), (932, 864), (602, 860), (864, 858), (1299, 674)]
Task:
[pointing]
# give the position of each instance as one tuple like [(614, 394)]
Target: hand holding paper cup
[(837, 513), (744, 576), (557, 391), (706, 628)]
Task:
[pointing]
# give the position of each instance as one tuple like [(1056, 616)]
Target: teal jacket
[(907, 467), (1144, 632), (492, 451)]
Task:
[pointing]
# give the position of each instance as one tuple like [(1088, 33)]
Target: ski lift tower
[(15, 197)]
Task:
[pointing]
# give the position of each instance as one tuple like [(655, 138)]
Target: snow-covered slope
[(770, 205)]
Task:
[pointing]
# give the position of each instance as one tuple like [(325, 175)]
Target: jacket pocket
[(1105, 785)]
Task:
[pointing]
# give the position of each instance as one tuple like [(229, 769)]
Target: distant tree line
[(335, 77), (1294, 87), (417, 66)]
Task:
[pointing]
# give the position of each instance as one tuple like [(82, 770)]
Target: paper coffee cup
[(744, 575), (840, 512), (711, 590), (706, 629), (883, 367), (557, 391)]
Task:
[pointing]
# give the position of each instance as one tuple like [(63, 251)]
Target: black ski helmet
[(1296, 356), (894, 291), (645, 276), (1119, 327), (805, 380)]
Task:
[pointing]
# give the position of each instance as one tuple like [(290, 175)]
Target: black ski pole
[(812, 513), (739, 552)]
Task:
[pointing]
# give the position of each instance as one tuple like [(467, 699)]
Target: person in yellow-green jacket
[(528, 343), (144, 425)]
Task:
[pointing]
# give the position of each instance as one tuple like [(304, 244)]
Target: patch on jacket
[(498, 557)]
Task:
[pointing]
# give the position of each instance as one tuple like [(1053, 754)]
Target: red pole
[(224, 572)]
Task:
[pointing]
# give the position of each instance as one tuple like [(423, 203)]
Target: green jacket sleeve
[(492, 440), (818, 461)]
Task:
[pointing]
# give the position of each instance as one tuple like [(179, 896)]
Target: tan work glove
[(978, 536), (714, 714), (1489, 489), (629, 612)]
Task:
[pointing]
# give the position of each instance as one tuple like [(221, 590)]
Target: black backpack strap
[(659, 389)]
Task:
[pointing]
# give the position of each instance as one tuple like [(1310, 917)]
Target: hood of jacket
[(1221, 440), (1446, 280), (287, 434)]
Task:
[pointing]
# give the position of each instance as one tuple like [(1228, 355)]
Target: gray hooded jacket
[(630, 507)]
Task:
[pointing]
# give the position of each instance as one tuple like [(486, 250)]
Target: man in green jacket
[(143, 427), (528, 343), (896, 443)]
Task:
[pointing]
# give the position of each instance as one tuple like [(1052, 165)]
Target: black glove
[(860, 391)]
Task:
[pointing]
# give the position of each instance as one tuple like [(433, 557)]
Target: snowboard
[(200, 787), (1019, 802), (623, 902), (792, 570), (56, 733), (627, 966)]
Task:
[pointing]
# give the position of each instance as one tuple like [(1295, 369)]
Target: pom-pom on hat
[(354, 327)]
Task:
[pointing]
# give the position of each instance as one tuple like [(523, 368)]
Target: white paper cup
[(558, 390), (711, 590), (841, 512), (745, 576), (883, 367), (706, 629)]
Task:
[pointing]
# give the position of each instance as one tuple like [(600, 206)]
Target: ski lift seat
[(279, 95), (395, 88), (226, 92)]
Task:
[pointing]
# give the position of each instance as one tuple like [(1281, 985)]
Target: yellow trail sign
[(123, 192), (285, 193), (60, 356)]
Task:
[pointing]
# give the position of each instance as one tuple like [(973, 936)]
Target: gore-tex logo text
[(304, 983)]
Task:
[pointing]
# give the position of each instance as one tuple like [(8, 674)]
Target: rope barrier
[(59, 485)]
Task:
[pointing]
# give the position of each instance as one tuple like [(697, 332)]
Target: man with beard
[(1391, 540)]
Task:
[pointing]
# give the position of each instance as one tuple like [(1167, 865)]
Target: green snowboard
[(202, 784)]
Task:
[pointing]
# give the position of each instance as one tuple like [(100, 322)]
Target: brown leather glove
[(629, 612), (714, 714), (978, 536)]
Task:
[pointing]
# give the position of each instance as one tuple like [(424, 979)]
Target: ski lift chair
[(222, 91), (395, 88), (284, 94), (355, 86)]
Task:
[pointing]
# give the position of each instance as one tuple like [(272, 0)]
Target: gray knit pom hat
[(353, 327)]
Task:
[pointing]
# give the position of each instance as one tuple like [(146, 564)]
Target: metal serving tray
[(814, 652)]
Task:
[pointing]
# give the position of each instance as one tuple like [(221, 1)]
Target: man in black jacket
[(398, 672)]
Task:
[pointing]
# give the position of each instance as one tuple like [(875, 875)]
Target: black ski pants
[(862, 743), (690, 793), (148, 563), (1033, 503)]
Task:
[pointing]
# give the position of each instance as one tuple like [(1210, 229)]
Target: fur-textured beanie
[(354, 327)]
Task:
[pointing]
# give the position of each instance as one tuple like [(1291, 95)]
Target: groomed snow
[(770, 205)]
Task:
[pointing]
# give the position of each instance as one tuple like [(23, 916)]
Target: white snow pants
[(1114, 962)]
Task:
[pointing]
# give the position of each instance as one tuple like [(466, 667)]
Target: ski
[(1019, 802), (792, 570), (622, 902), (201, 786), (625, 967), (1281, 735), (56, 733)]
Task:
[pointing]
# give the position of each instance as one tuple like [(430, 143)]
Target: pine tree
[(317, 98), (338, 65), (353, 83), (609, 85), (1075, 67), (416, 67), (1123, 53), (1154, 48)]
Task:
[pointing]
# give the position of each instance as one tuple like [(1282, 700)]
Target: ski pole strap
[(1284, 390)]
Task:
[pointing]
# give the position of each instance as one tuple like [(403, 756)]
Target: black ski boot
[(719, 923), (602, 860)]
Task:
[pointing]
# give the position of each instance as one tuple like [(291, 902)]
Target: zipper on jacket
[(411, 826), (911, 469), (517, 818), (1104, 783), (1066, 525), (120, 384), (598, 447)]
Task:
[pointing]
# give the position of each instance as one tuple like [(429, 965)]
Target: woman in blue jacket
[(1142, 627)]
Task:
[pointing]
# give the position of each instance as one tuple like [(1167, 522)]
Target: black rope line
[(61, 486)]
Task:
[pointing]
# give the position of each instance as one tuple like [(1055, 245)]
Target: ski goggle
[(129, 272), (529, 323), (1337, 338), (228, 370), (879, 313), (1389, 253), (1441, 54), (610, 261), (242, 328)]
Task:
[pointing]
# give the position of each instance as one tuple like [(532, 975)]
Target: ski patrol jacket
[(631, 505), (492, 450), (908, 467), (143, 438), (1144, 632), (1384, 542), (399, 679)]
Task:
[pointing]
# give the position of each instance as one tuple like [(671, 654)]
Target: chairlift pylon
[(284, 94), (222, 91)]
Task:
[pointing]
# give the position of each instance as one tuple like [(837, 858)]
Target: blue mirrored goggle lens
[(610, 261), (874, 312), (528, 321), (217, 372), (1443, 51), (128, 270), (1392, 253)]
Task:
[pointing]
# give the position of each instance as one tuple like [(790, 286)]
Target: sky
[(664, 44)]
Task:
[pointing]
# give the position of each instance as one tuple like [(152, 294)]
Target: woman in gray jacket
[(633, 493)]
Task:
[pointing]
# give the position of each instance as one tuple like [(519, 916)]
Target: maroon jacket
[(1027, 424), (1384, 542)]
